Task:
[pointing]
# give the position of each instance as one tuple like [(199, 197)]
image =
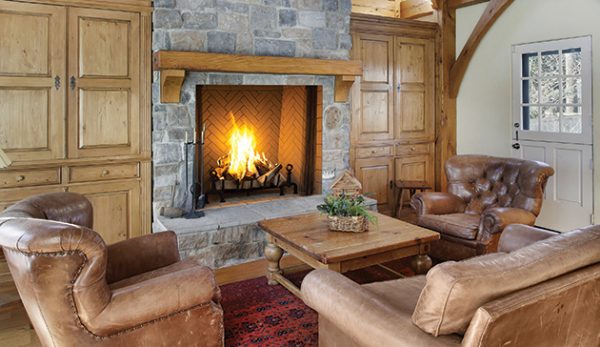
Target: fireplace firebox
[(259, 140)]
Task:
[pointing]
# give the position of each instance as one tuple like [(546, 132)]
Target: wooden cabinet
[(393, 104), (115, 205), (417, 166), (75, 105), (415, 89), (32, 77), (103, 61), (373, 112), (371, 173)]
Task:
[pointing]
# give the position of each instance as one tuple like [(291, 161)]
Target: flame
[(242, 153)]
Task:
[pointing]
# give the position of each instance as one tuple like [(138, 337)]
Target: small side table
[(412, 187)]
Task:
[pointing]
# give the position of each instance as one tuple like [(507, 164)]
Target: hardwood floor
[(15, 330)]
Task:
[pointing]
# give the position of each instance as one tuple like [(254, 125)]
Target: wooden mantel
[(173, 65)]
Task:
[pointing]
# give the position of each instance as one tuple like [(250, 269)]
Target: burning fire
[(243, 157)]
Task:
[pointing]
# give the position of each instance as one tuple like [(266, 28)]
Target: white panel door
[(552, 116), (568, 202)]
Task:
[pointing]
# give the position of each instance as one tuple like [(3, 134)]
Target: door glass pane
[(550, 119), (571, 62), (571, 119), (550, 91), (571, 90), (531, 118), (531, 91), (550, 63), (531, 66)]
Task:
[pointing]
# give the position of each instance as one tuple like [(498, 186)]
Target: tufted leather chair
[(485, 194), (80, 292)]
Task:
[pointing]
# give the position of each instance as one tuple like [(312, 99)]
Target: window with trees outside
[(552, 80)]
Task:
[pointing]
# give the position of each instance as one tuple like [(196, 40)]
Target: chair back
[(486, 182)]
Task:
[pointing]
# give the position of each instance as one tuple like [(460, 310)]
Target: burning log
[(268, 177)]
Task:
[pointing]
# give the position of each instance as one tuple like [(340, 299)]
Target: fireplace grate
[(276, 181)]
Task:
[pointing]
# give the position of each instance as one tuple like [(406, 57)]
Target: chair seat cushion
[(462, 225), (182, 265)]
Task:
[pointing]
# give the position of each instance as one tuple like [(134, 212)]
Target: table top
[(310, 234)]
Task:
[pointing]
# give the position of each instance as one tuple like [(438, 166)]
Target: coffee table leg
[(273, 255), (421, 264)]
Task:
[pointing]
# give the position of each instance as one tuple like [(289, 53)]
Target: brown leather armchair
[(79, 292), (485, 194)]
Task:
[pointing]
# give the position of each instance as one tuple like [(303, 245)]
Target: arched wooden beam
[(493, 10)]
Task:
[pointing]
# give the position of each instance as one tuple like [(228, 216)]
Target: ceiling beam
[(463, 3), (411, 9), (492, 12)]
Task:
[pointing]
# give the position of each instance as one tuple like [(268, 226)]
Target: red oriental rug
[(257, 314)]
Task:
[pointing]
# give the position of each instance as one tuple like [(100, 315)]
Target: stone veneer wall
[(294, 28)]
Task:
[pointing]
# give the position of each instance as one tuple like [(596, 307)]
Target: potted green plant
[(347, 213)]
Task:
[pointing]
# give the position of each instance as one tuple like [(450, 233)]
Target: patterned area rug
[(257, 314)]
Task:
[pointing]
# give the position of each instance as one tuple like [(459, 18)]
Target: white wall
[(484, 103)]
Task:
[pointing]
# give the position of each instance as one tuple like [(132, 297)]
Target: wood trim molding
[(412, 9), (492, 12), (124, 5), (446, 122), (176, 63), (454, 4)]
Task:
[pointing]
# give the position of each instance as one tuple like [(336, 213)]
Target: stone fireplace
[(287, 28)]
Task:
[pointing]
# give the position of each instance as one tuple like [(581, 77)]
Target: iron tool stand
[(194, 213)]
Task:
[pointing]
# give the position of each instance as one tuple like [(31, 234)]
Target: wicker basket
[(354, 224)]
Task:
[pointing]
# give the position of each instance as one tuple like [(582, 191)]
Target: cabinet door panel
[(415, 96), (32, 73), (372, 95), (116, 209), (375, 176), (103, 65), (415, 168)]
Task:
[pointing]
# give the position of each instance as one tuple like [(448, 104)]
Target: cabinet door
[(116, 209), (372, 96), (418, 167), (104, 81), (32, 73), (375, 174), (415, 89)]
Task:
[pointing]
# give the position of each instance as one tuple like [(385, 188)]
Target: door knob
[(516, 145)]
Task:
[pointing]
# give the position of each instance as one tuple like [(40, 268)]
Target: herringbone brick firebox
[(286, 125)]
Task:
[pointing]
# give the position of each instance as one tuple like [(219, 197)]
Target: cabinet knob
[(104, 173), (20, 178), (413, 148)]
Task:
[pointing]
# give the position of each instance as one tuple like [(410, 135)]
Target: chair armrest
[(141, 254), (494, 220), (437, 203), (156, 298), (517, 236), (359, 313)]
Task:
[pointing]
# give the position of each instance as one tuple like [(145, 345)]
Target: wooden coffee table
[(308, 238)]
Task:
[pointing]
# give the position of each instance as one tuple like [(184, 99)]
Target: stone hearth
[(230, 235)]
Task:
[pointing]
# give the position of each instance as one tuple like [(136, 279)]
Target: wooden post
[(446, 122)]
